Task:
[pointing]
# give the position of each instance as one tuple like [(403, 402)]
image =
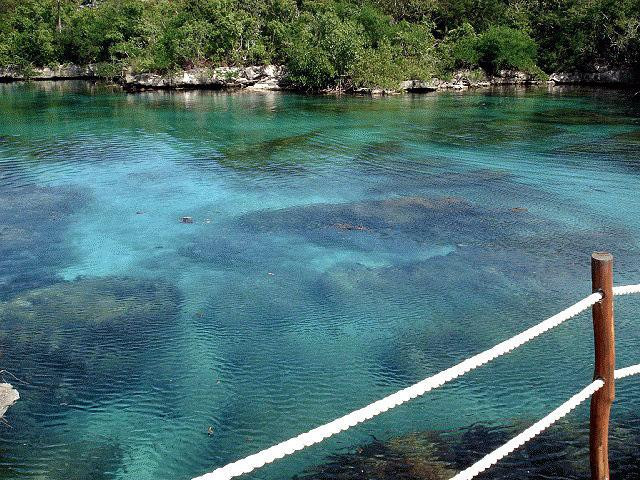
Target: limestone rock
[(60, 72), (259, 77), (418, 86), (8, 396), (513, 77), (600, 77)]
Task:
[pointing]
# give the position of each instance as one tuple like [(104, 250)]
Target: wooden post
[(605, 359)]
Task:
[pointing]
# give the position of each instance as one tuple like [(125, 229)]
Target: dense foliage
[(324, 43)]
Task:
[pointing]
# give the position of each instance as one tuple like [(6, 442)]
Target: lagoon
[(341, 248)]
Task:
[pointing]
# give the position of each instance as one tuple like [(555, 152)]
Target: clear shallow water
[(342, 248)]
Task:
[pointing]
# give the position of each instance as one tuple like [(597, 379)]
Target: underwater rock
[(410, 457), (579, 116), (90, 301), (387, 212), (92, 338), (631, 137), (348, 226), (8, 396), (561, 453), (280, 153), (33, 243), (414, 218), (380, 151), (96, 457), (409, 229), (186, 220)]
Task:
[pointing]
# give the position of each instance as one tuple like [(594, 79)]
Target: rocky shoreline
[(274, 77)]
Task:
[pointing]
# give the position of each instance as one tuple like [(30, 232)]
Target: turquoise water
[(341, 249)]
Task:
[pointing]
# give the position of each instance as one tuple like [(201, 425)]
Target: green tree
[(506, 48)]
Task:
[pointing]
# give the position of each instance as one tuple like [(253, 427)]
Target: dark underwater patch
[(577, 116), (476, 126), (630, 137), (90, 301), (92, 337), (619, 150), (33, 234), (406, 226), (428, 221), (561, 453), (411, 457), (386, 148), (267, 154), (465, 133), (79, 459)]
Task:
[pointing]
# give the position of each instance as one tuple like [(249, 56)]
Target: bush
[(323, 49), (459, 49), (377, 68), (324, 42), (27, 34), (505, 48)]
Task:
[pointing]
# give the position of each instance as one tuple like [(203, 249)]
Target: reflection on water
[(341, 248)]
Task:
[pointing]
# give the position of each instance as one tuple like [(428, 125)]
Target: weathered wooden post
[(605, 360)]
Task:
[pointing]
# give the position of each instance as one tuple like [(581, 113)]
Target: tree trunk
[(59, 28)]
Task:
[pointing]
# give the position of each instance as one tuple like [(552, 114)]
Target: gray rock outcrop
[(418, 86), (513, 77), (602, 77), (274, 77), (60, 72), (8, 396), (262, 77)]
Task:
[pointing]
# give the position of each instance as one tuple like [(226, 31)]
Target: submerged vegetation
[(324, 43), (561, 452)]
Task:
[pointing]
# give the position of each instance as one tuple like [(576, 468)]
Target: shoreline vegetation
[(274, 78), (354, 46)]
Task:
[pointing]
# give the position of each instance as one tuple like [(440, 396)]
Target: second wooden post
[(605, 364)]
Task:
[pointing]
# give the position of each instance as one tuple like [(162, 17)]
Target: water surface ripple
[(341, 249)]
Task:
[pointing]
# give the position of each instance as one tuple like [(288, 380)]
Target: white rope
[(318, 434), (626, 289), (534, 430), (538, 427), (627, 371)]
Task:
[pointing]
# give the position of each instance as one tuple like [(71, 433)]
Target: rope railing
[(318, 434), (626, 289), (531, 432), (540, 426), (627, 371)]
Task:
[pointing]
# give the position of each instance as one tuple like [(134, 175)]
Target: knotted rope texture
[(318, 434)]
